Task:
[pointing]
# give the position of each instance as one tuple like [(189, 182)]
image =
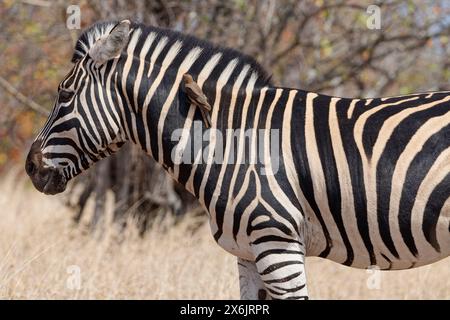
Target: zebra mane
[(97, 30)]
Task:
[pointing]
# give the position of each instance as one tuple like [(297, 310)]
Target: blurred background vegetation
[(315, 45)]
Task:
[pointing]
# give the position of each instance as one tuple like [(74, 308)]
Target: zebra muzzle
[(45, 179)]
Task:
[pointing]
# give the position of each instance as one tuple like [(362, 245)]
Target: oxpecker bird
[(197, 97)]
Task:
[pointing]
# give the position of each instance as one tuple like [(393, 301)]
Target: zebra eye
[(65, 96)]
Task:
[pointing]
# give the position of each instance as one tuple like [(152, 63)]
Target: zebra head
[(85, 124)]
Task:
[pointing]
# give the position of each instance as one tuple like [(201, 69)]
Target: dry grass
[(38, 246)]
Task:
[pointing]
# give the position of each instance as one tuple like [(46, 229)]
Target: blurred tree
[(317, 45)]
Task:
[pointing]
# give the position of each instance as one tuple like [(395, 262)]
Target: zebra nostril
[(30, 168)]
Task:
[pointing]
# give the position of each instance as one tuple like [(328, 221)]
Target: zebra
[(362, 182)]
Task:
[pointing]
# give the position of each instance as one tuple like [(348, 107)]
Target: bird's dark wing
[(197, 97)]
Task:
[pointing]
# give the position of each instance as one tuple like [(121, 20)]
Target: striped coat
[(283, 173)]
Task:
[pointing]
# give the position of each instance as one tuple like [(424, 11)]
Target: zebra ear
[(110, 46)]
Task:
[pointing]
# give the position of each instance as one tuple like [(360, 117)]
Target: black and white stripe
[(359, 181)]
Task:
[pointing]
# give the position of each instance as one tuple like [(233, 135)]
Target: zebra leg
[(250, 284), (281, 265)]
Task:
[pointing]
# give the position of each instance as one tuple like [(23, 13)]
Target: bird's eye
[(65, 96)]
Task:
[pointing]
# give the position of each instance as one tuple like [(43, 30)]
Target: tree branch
[(40, 3), (21, 98)]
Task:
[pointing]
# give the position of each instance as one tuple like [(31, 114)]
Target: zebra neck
[(155, 108)]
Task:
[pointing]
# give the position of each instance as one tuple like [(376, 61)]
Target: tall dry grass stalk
[(42, 254)]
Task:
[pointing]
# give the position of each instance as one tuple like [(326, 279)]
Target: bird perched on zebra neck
[(196, 96)]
